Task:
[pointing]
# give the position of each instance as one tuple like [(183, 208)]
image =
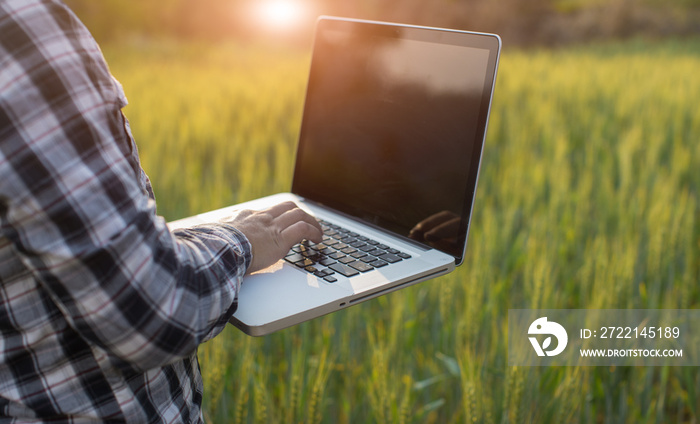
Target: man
[(101, 306)]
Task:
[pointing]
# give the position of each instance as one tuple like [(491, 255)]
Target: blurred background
[(519, 22)]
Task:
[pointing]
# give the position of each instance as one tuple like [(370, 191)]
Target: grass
[(589, 197)]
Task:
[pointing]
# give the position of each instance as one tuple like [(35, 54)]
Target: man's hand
[(272, 232)]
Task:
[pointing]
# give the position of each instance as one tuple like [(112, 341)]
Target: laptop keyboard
[(342, 252)]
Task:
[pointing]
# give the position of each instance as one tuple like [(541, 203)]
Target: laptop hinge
[(414, 243)]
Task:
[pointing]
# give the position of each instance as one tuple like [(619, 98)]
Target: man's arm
[(76, 211)]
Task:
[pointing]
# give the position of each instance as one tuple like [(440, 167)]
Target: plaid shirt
[(101, 306)]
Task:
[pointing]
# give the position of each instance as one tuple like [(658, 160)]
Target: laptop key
[(308, 253), (361, 266), (352, 252), (388, 257), (344, 270), (294, 258), (376, 252), (326, 261), (304, 263), (330, 242), (330, 279), (366, 248)]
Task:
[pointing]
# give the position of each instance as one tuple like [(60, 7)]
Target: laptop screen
[(394, 124)]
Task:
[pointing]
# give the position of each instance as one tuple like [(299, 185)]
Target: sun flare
[(280, 14)]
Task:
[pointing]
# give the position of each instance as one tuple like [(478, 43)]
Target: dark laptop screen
[(393, 127)]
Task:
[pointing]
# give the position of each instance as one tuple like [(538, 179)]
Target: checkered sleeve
[(75, 206)]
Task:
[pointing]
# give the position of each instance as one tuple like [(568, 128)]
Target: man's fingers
[(280, 209), (298, 231), (291, 219), (273, 231), (293, 216)]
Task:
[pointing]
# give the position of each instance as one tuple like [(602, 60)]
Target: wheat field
[(589, 197)]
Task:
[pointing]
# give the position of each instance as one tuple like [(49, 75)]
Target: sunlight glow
[(280, 14)]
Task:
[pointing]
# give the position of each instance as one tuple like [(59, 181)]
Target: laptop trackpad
[(282, 291)]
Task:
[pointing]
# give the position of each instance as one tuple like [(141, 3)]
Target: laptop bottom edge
[(333, 306)]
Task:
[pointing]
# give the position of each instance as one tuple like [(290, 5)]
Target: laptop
[(388, 159)]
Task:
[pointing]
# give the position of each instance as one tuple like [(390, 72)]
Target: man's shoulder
[(46, 49)]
